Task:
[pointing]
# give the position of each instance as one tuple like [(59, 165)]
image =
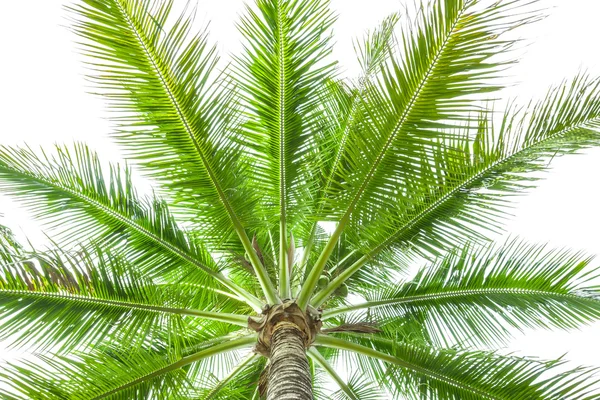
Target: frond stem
[(284, 275), (322, 362), (236, 344), (451, 294), (235, 319)]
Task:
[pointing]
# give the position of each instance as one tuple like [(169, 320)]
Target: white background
[(43, 100)]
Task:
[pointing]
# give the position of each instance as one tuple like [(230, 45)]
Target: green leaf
[(444, 69), (112, 374), (416, 372), (70, 191), (281, 74), (474, 183), (173, 120), (477, 294), (342, 106), (239, 384), (77, 300)]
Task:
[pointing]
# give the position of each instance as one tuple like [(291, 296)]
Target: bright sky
[(44, 101)]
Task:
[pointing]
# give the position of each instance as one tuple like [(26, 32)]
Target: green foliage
[(424, 372), (476, 295), (148, 297)]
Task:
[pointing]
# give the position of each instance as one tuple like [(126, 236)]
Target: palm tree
[(228, 283)]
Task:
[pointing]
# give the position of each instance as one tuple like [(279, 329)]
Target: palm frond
[(75, 301), (357, 388), (174, 118), (474, 181), (281, 73), (343, 106), (416, 372), (446, 66), (70, 191), (239, 384), (477, 181), (114, 374), (475, 295)]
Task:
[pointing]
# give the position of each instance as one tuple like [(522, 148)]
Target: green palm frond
[(239, 384), (289, 199), (358, 386), (444, 68), (473, 183), (479, 178), (74, 301), (475, 295), (114, 374), (175, 119), (70, 191), (415, 372), (346, 102), (281, 73)]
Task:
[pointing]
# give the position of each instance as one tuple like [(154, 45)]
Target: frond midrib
[(284, 277), (450, 294), (239, 320)]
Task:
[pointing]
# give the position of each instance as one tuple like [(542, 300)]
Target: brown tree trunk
[(289, 373)]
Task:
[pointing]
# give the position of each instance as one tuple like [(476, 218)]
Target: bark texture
[(289, 374)]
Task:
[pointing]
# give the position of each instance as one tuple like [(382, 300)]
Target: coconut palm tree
[(305, 231)]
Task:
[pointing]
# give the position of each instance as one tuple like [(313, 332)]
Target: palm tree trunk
[(289, 374)]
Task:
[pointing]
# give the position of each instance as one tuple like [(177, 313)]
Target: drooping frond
[(114, 374), (476, 295), (415, 372), (444, 68), (70, 191), (173, 117), (75, 301), (474, 181)]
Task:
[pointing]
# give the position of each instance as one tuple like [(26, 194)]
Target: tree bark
[(289, 373)]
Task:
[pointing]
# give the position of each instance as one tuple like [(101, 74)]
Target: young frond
[(282, 73)]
